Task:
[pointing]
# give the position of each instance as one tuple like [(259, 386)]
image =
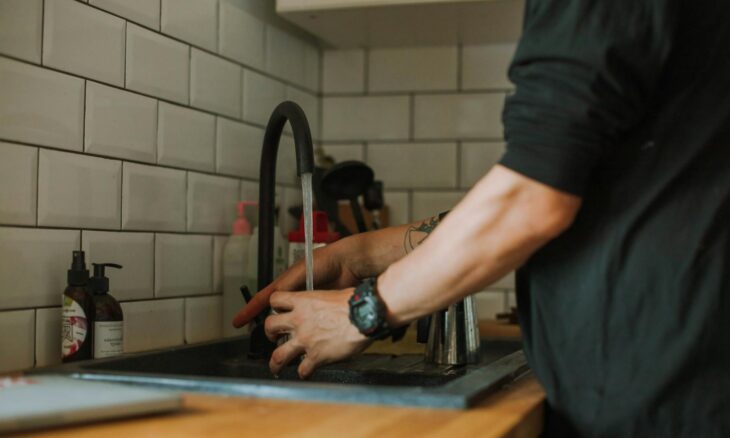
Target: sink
[(224, 367)]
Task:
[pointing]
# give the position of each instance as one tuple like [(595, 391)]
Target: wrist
[(389, 299)]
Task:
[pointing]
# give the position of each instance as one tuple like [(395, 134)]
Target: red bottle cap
[(321, 234)]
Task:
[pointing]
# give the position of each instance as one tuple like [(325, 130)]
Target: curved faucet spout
[(291, 112)]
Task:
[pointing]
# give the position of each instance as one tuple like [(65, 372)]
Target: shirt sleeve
[(585, 72)]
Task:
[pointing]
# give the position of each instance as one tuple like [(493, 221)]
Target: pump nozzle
[(99, 282), (78, 275), (242, 225)]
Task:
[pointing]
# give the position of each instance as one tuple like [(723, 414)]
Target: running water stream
[(308, 229)]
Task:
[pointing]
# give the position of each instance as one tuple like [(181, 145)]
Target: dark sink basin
[(223, 367)]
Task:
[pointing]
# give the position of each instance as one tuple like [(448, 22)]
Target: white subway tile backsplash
[(215, 84), (34, 264), (157, 65), (21, 28), (365, 118), (194, 21), (506, 282), (284, 55), (150, 325), (414, 165), (203, 319), (83, 40), (309, 104), (286, 162), (183, 265), (428, 204), (153, 198), (17, 343), (249, 191), (261, 95), (18, 184), (120, 123), (241, 35), (78, 191), (458, 116), (219, 243), (485, 66), (238, 148), (413, 69), (145, 12), (398, 207), (48, 336), (40, 106), (134, 251), (343, 71), (476, 160), (490, 303), (345, 152), (312, 61), (211, 203), (185, 138)]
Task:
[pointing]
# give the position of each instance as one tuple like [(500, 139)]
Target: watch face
[(365, 316)]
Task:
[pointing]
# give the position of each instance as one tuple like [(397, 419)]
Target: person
[(612, 201)]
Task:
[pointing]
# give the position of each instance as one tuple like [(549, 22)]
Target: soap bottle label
[(74, 327), (108, 338)]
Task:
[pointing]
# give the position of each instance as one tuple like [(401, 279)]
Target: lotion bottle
[(109, 318), (77, 313), (236, 269)]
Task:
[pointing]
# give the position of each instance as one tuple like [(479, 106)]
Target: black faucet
[(291, 112)]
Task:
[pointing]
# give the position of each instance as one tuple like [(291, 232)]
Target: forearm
[(495, 229), (381, 248)]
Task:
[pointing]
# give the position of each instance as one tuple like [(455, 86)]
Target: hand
[(319, 327), (336, 266)]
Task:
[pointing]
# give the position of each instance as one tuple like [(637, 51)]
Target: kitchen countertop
[(516, 410)]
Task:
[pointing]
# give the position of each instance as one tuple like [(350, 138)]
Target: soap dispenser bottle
[(109, 318), (77, 313), (235, 268)]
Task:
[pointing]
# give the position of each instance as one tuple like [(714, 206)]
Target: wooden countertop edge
[(514, 411)]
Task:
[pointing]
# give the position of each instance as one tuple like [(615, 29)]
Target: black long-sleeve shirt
[(626, 316)]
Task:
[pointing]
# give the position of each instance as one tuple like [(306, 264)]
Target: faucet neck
[(293, 113)]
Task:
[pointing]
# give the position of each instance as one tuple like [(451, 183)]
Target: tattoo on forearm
[(416, 235)]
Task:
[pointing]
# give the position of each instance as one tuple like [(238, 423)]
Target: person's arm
[(500, 223), (503, 220), (345, 263)]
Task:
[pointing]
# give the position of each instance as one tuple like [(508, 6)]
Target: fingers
[(277, 325), (258, 303), (282, 301), (307, 367), (285, 354)]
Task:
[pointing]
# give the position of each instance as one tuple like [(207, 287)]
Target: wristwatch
[(367, 313)]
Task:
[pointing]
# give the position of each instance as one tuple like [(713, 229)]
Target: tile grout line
[(43, 28), (140, 93), (124, 67), (83, 122), (217, 26), (37, 183), (132, 161), (210, 52), (190, 75)]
